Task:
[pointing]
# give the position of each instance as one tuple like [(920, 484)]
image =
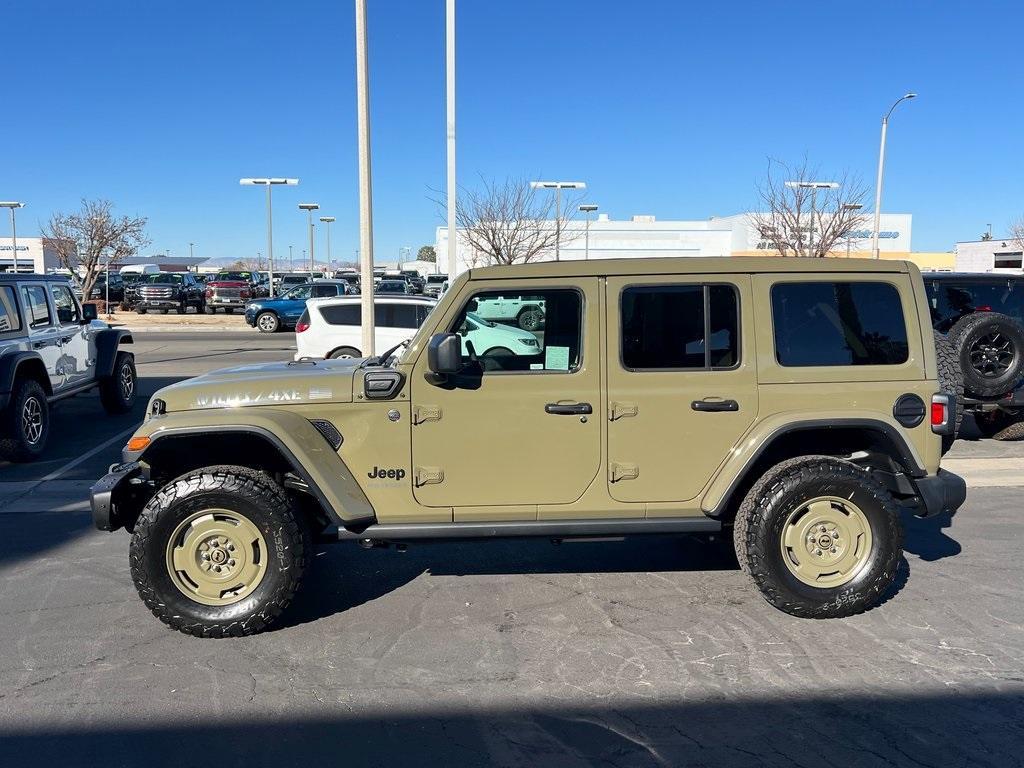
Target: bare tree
[(801, 221), (86, 239), (258, 264), (1017, 233), (509, 222)]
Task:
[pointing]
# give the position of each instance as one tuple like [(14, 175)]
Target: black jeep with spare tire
[(982, 319)]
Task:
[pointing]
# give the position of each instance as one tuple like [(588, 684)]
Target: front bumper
[(941, 492), (222, 301), (158, 303), (117, 497)]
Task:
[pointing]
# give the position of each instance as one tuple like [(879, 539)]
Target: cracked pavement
[(651, 652)]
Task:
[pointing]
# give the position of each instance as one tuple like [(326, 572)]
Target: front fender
[(311, 457), (764, 432), (108, 341)]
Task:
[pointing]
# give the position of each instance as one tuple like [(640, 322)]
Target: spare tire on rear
[(990, 349), (951, 381)]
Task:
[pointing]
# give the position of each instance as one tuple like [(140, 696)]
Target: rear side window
[(950, 300), (36, 306), (396, 316), (671, 327), (324, 290), (10, 320), (841, 323), (342, 314)]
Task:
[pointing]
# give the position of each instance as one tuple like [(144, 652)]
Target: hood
[(319, 381)]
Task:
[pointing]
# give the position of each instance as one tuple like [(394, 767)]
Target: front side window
[(838, 323), (36, 306), (9, 318), (538, 331), (301, 293), (67, 308)]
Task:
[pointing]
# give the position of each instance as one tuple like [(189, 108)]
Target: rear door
[(682, 388), (74, 337)]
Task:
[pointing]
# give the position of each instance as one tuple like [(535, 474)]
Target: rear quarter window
[(838, 323), (10, 319)]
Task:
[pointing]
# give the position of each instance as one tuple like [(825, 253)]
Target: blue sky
[(665, 108)]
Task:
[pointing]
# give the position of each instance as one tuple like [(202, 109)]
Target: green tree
[(427, 253)]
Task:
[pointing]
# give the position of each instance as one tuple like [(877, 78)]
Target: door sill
[(544, 528)]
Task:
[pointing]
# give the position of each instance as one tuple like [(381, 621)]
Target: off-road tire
[(341, 352), (116, 394), (240, 489), (951, 381), (761, 516), (530, 318), (15, 445), (968, 331), (1000, 425), (1014, 431)]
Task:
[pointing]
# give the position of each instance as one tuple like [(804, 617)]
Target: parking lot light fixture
[(328, 220), (269, 183), (850, 207), (881, 169), (587, 209), (309, 208), (558, 186), (11, 205)]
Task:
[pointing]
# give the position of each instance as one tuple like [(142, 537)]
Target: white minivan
[(330, 327)]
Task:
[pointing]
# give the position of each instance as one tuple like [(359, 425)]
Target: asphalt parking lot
[(648, 652)]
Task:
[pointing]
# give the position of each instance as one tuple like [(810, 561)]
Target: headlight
[(528, 342)]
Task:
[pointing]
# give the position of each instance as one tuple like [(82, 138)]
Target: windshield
[(479, 320), (436, 278), (161, 278), (243, 277)]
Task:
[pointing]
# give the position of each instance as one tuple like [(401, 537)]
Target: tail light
[(303, 324), (942, 417)]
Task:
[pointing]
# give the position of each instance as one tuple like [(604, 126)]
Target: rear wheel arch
[(883, 445), (24, 365)]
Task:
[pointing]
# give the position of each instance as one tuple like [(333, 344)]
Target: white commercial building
[(34, 255), (644, 236), (996, 255)]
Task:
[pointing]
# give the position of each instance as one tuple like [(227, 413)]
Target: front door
[(520, 426), (74, 337), (682, 387), (43, 333)]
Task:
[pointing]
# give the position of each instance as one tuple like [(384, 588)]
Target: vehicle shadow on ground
[(929, 729), (927, 539)]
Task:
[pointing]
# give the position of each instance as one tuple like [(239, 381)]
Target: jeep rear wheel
[(820, 537), (25, 423), (530, 319), (219, 552), (951, 381)]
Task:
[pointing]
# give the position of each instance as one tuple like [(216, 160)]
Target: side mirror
[(444, 353), (89, 313)]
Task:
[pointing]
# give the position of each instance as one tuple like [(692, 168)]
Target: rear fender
[(21, 363)]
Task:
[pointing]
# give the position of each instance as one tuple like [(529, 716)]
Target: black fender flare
[(9, 367), (108, 342), (887, 432)]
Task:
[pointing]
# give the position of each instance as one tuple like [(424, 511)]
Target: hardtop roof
[(683, 265)]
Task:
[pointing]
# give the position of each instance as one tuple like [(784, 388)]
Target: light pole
[(291, 260), (814, 186), (850, 207), (587, 209), (328, 220), (10, 204), (365, 178), (269, 184), (558, 186), (450, 132), (309, 208), (190, 246), (881, 168)]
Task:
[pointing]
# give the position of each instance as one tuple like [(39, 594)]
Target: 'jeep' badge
[(394, 414)]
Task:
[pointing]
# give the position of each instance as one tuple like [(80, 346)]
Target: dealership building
[(645, 236), (35, 254)]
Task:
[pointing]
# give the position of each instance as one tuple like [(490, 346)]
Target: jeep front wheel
[(26, 423), (820, 537), (219, 552), (117, 393)]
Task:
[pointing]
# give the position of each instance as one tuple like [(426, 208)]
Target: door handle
[(568, 409), (40, 344), (711, 406)]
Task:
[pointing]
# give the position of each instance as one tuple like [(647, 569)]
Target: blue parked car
[(271, 315)]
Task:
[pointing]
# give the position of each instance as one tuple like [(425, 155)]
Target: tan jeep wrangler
[(794, 402)]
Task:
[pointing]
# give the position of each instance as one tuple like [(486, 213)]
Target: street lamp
[(881, 168), (190, 246), (814, 186), (269, 184), (849, 207), (309, 208), (587, 209), (14, 231), (558, 186), (328, 220)]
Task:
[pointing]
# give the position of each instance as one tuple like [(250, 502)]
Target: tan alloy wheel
[(216, 557), (826, 542)]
